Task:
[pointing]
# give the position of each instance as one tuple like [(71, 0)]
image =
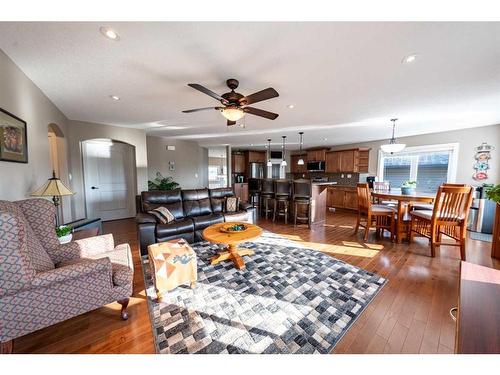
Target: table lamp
[(53, 188)]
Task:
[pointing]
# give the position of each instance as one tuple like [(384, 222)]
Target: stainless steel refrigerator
[(256, 170)]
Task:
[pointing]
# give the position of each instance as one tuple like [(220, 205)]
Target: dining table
[(402, 201)]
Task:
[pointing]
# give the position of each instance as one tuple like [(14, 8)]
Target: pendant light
[(392, 146), (301, 161), (269, 164), (283, 161)]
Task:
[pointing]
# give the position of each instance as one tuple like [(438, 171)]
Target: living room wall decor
[(481, 164), (13, 138)]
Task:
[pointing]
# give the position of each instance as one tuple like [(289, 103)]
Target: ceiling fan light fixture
[(232, 113)]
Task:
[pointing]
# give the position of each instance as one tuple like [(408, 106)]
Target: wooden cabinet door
[(238, 161), (332, 162), (256, 156), (347, 161), (337, 197), (351, 199)]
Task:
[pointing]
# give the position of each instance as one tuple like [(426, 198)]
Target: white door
[(109, 179)]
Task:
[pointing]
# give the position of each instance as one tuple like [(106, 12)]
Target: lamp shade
[(300, 161), (393, 147), (52, 188)]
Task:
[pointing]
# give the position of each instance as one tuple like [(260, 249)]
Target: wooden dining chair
[(385, 187), (448, 217), (428, 206), (378, 216)]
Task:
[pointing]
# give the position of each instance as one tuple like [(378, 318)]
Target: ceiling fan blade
[(259, 96), (208, 92), (199, 109), (229, 122), (260, 112)]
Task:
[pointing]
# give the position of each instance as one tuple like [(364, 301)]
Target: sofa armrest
[(142, 218), (92, 246), (245, 206), (73, 271)]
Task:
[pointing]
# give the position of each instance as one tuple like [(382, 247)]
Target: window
[(430, 166)]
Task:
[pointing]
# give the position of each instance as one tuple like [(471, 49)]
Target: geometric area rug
[(288, 299)]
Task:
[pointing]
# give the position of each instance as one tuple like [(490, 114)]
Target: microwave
[(315, 166)]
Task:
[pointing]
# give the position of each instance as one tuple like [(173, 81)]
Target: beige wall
[(21, 97), (468, 139), (81, 131), (191, 161)]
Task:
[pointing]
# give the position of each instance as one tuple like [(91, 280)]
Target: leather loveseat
[(193, 211)]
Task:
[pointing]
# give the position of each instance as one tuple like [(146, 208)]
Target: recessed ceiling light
[(109, 33), (410, 58), (251, 144), (114, 97), (325, 139), (290, 106)]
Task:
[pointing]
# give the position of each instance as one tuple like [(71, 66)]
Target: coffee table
[(233, 252)]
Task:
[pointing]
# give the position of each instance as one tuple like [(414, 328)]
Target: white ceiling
[(346, 80)]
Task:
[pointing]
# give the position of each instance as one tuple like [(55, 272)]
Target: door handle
[(94, 187)]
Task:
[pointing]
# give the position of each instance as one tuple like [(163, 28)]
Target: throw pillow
[(232, 204), (162, 215)]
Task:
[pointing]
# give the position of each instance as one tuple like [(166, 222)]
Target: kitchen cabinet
[(294, 167), (238, 163), (256, 156), (347, 161), (241, 191), (342, 197), (316, 155)]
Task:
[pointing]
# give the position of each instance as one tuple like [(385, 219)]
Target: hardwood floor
[(410, 314)]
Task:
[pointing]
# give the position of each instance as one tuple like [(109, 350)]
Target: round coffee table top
[(213, 233)]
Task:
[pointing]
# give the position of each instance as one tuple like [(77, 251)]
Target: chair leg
[(463, 235), (309, 218), (295, 214), (368, 225), (124, 302), (433, 240), (358, 219), (6, 347), (286, 212), (274, 209)]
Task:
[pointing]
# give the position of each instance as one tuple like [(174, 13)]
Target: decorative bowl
[(233, 228)]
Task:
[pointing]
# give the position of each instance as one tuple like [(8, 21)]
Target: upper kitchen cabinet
[(256, 156), (238, 163), (295, 167), (316, 155), (347, 161)]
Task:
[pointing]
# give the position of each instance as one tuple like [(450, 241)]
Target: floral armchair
[(43, 282)]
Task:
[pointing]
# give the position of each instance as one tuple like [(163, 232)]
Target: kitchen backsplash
[(340, 178)]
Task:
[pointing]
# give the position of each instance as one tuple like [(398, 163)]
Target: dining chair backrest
[(267, 186), (282, 187), (302, 188), (452, 203), (382, 186), (364, 197)]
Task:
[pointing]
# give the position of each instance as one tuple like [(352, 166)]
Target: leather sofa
[(193, 211)]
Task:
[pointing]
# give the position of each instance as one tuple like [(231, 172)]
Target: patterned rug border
[(150, 302)]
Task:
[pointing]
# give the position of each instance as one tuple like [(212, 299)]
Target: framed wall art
[(13, 138)]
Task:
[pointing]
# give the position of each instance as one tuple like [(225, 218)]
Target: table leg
[(399, 221), (234, 254)]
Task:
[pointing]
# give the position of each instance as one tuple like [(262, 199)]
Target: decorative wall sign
[(481, 165), (13, 138)]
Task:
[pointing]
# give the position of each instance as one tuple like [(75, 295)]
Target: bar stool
[(267, 196), (282, 193), (302, 196), (254, 188)]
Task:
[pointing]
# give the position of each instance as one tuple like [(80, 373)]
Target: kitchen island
[(319, 197)]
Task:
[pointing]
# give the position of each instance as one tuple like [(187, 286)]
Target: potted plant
[(64, 233), (493, 192), (162, 183), (408, 187)]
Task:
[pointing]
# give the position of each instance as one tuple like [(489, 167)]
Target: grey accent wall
[(191, 161), (468, 139), (81, 131), (21, 97)]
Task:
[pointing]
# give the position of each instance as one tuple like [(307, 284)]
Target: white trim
[(452, 165)]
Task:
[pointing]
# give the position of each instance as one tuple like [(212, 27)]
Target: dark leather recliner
[(194, 210)]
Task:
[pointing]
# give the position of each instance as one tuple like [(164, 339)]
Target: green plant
[(63, 230), (162, 183), (409, 184), (493, 193)]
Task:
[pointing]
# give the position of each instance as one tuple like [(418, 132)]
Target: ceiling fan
[(235, 104)]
